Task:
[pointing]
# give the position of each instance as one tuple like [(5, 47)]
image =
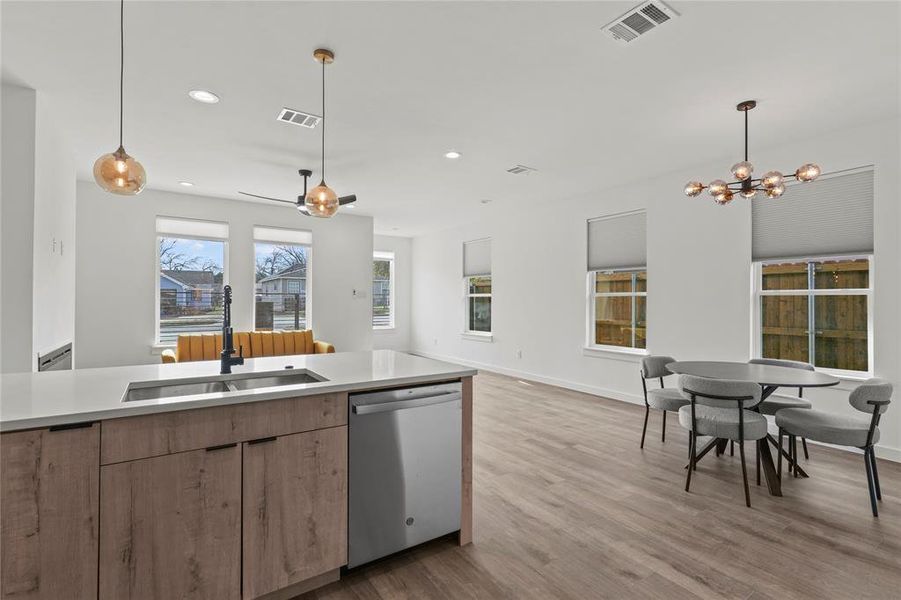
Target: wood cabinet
[(170, 526), (295, 509), (49, 500)]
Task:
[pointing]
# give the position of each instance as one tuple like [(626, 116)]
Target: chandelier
[(772, 183)]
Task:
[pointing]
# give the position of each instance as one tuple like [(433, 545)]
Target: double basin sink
[(173, 388)]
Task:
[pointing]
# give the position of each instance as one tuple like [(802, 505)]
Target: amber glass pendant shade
[(321, 201), (119, 173)]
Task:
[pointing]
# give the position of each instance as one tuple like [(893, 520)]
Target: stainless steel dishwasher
[(405, 468)]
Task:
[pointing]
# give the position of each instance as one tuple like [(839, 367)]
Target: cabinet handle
[(67, 426), (222, 447), (261, 440)]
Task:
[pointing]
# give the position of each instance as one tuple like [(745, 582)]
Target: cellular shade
[(191, 228), (832, 216), (477, 258), (618, 242), (283, 236)]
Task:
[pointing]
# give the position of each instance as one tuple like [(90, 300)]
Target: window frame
[(179, 236), (467, 331), (308, 291), (379, 255), (759, 293), (591, 306)]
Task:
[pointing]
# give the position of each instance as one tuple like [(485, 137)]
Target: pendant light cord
[(121, 63), (746, 136), (323, 122)]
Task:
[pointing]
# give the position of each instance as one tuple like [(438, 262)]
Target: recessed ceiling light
[(186, 183), (204, 96), (452, 154)]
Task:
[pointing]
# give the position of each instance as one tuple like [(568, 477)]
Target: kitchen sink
[(156, 390)]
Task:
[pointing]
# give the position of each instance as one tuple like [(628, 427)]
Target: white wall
[(399, 337), (37, 310), (699, 282), (116, 262)]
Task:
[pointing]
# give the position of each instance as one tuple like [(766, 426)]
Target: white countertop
[(29, 400)]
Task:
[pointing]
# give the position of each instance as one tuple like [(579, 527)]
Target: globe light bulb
[(693, 188), (725, 197), (321, 201), (749, 193), (807, 172), (775, 191), (742, 170), (772, 179), (119, 173), (717, 187)]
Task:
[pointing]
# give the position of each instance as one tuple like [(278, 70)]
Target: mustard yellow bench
[(207, 346)]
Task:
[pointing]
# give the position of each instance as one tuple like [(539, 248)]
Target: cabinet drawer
[(131, 438)]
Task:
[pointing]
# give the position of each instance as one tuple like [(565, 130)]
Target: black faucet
[(226, 358)]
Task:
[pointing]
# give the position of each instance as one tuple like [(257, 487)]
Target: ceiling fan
[(300, 202)]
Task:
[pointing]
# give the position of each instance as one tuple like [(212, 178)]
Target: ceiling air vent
[(640, 20), (296, 117), (521, 170)]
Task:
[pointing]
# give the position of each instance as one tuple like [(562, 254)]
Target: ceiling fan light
[(693, 188), (807, 172), (321, 201), (717, 187), (119, 173), (742, 170)]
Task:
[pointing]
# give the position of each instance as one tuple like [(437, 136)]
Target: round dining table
[(770, 378)]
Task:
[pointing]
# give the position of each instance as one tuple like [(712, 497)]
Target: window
[(619, 308), (283, 267), (817, 311), (383, 290), (191, 273), (477, 286), (617, 282)]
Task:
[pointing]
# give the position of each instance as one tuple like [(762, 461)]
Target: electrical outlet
[(519, 354)]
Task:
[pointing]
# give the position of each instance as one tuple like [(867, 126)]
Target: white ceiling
[(503, 83)]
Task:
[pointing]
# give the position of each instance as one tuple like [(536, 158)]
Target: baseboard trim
[(885, 452)]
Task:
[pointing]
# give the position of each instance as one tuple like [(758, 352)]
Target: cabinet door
[(295, 508), (170, 526), (48, 513)]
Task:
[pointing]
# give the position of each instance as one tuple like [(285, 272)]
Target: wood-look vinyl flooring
[(567, 506)]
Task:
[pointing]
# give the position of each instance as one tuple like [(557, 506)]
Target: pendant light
[(117, 172), (322, 201)]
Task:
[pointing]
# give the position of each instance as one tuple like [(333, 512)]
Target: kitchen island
[(123, 482)]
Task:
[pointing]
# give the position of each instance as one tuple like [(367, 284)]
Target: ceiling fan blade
[(347, 199), (266, 197)]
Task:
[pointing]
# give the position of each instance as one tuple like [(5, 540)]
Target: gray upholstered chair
[(872, 397), (777, 402), (721, 408), (664, 399)]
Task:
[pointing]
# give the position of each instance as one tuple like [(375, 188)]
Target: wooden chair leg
[(691, 460), (804, 444), (744, 472), (663, 429), (875, 473), (644, 427), (757, 448), (871, 488)]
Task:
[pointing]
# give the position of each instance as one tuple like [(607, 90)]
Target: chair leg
[(875, 473), (691, 459), (744, 472), (644, 427), (757, 447), (804, 444), (731, 448), (871, 488), (794, 455), (779, 457), (663, 429)]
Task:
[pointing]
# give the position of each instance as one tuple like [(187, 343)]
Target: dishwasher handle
[(368, 409)]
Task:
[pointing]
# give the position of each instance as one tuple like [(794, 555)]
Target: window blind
[(828, 217), (477, 258), (283, 236), (617, 242), (191, 227)]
